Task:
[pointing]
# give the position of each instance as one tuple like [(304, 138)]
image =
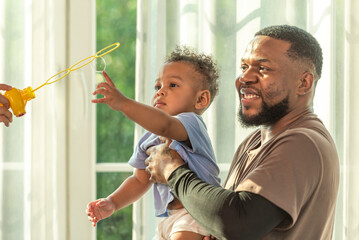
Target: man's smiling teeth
[(248, 93), (250, 96)]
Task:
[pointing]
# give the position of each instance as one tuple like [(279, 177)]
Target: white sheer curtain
[(41, 192), (350, 151), (31, 149), (224, 28)]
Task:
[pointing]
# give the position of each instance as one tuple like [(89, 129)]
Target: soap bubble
[(100, 64)]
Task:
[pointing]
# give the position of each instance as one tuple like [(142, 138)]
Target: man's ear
[(305, 83), (203, 100)]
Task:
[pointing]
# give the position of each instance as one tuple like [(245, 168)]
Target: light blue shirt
[(200, 157)]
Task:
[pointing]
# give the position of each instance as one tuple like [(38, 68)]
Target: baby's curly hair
[(202, 63)]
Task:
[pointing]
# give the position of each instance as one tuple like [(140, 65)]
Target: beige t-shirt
[(298, 171)]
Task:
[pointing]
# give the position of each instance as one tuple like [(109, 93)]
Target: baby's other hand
[(99, 209)]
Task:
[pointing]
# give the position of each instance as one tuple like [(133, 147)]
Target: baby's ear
[(203, 100)]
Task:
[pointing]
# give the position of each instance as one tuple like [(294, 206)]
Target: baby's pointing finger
[(108, 79)]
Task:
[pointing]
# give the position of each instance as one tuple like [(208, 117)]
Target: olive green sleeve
[(224, 213)]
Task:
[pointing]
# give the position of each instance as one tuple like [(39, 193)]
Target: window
[(52, 162), (116, 22)]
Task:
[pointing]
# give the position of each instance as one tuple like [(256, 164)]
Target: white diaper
[(178, 220)]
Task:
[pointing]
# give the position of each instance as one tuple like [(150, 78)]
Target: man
[(284, 177), (5, 114)]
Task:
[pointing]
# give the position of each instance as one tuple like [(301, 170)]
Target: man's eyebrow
[(258, 60), (263, 60)]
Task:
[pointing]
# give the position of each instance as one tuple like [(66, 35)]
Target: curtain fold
[(32, 158), (47, 147), (351, 124)]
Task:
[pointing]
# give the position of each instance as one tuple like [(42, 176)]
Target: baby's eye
[(173, 85), (243, 67), (157, 87)]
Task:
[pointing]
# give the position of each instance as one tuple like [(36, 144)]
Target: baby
[(184, 89)]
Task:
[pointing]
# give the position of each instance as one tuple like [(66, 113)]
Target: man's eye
[(262, 68)]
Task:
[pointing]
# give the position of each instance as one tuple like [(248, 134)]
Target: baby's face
[(177, 88)]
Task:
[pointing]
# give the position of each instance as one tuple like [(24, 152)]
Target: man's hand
[(162, 161)]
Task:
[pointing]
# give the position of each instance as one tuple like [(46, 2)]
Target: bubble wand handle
[(19, 98), (79, 64)]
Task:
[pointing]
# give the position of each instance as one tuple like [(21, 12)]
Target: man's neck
[(268, 131)]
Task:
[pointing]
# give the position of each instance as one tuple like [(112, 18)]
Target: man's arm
[(224, 213), (150, 118)]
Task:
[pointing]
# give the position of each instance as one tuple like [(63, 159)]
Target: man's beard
[(268, 115)]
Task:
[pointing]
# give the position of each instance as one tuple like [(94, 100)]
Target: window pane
[(119, 225), (12, 223), (12, 60), (13, 64), (116, 22)]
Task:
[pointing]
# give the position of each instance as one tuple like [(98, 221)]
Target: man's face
[(267, 85)]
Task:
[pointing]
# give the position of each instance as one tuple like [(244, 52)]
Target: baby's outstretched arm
[(130, 190), (150, 118)]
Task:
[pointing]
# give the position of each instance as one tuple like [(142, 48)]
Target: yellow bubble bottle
[(18, 99)]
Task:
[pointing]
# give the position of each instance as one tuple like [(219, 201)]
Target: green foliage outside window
[(119, 225), (116, 22)]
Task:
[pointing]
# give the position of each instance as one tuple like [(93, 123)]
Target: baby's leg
[(184, 235), (185, 227)]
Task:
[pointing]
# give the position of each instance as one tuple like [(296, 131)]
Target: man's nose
[(248, 76)]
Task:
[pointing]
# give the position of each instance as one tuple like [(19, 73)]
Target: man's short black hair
[(303, 44)]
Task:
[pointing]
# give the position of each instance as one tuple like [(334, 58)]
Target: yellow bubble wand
[(19, 98)]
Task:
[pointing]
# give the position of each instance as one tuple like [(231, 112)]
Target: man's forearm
[(224, 213)]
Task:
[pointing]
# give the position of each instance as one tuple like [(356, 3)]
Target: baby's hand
[(99, 209), (111, 95)]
